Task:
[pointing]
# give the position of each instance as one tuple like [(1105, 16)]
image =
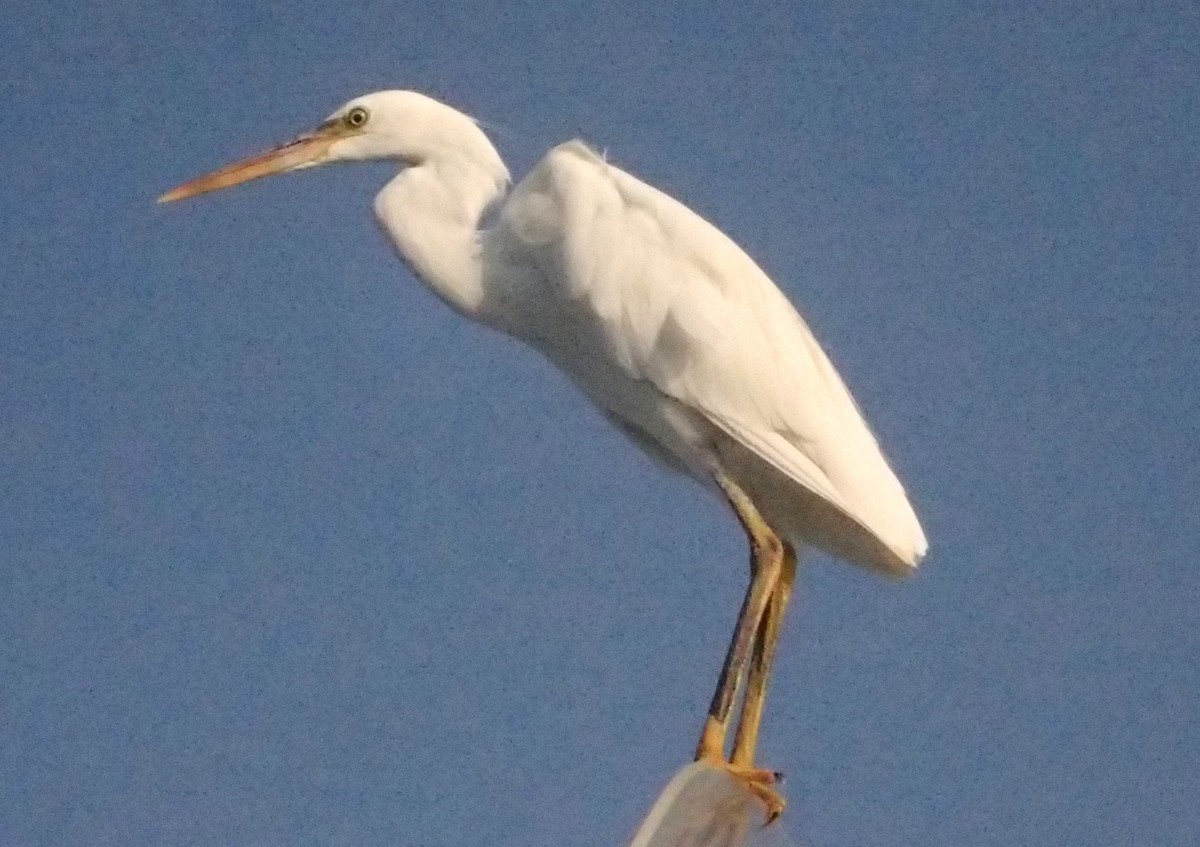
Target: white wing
[(675, 303)]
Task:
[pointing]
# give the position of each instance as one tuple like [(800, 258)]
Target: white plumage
[(667, 325), (678, 335)]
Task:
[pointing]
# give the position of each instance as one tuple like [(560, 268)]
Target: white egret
[(677, 336)]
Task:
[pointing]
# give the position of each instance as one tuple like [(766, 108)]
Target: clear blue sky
[(293, 555)]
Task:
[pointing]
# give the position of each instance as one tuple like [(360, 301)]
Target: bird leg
[(746, 739), (767, 565)]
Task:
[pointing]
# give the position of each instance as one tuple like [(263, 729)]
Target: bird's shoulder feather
[(674, 301)]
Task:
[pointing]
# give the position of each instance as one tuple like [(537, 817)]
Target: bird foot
[(759, 782)]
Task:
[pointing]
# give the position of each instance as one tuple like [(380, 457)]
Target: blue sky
[(293, 555)]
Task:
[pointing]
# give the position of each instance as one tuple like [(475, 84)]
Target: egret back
[(651, 297)]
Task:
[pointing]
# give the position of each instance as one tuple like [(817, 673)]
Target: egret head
[(400, 125)]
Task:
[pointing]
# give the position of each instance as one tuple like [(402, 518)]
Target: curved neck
[(432, 212)]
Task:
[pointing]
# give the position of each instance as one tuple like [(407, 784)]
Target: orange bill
[(304, 151)]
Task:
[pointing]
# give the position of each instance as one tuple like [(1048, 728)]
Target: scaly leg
[(767, 564), (745, 740)]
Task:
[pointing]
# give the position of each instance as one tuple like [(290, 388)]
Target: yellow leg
[(746, 739), (766, 566), (768, 562)]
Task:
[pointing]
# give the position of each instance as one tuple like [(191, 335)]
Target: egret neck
[(432, 211)]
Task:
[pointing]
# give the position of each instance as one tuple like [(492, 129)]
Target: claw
[(771, 799), (759, 782)]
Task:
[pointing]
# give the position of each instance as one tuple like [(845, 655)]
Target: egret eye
[(356, 117)]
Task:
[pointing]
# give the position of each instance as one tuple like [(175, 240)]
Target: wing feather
[(673, 301)]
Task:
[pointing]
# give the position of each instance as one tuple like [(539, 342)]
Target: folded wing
[(676, 303)]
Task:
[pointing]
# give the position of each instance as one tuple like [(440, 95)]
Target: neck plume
[(432, 212)]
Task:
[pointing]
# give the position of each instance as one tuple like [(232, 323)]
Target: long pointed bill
[(304, 151)]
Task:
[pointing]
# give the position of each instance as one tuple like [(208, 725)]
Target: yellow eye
[(356, 117)]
